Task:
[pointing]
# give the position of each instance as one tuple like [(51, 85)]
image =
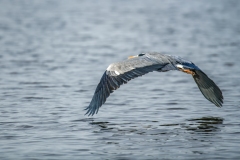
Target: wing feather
[(121, 72), (208, 88), (110, 81)]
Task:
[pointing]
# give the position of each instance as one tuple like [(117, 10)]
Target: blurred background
[(54, 52)]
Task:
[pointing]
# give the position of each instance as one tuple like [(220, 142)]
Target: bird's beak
[(132, 57), (186, 70)]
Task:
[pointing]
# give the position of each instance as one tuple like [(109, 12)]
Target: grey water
[(54, 52)]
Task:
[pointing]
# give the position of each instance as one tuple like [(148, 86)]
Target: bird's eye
[(141, 54)]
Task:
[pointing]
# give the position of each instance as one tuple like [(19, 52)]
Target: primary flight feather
[(121, 72)]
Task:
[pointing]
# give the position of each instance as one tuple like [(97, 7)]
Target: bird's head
[(139, 55), (187, 68)]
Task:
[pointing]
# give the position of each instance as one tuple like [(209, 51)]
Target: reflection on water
[(205, 124), (194, 132)]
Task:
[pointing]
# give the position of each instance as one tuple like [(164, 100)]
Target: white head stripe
[(179, 66)]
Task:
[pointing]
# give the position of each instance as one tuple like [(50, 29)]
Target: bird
[(121, 72)]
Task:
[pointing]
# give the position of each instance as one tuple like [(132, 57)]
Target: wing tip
[(90, 111), (208, 88)]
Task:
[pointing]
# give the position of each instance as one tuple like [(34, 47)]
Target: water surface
[(53, 54)]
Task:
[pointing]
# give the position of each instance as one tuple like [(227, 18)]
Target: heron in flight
[(121, 72)]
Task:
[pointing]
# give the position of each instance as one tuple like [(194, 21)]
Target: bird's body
[(121, 72)]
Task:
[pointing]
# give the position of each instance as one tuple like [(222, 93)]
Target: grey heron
[(121, 72)]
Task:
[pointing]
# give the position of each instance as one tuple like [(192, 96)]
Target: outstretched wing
[(120, 73), (208, 88)]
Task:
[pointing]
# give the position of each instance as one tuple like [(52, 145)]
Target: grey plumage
[(208, 88), (122, 72)]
